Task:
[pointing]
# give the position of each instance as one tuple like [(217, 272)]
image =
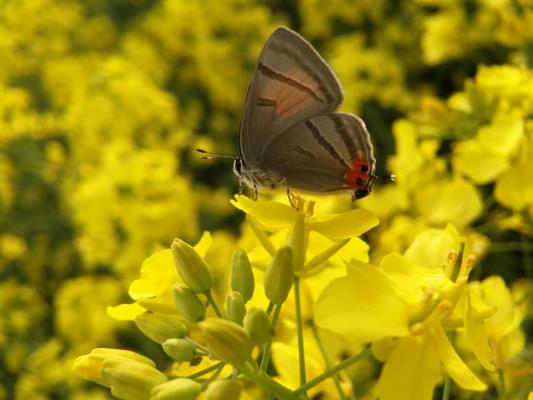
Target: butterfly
[(291, 135)]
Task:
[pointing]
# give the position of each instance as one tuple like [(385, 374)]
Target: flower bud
[(180, 388), (128, 374), (191, 267), (160, 327), (242, 276), (226, 340), (257, 325), (235, 308), (223, 390), (180, 350), (279, 276), (188, 303)]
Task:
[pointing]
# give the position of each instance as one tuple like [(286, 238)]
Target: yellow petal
[(126, 312), (514, 188), (410, 280), (473, 161), (355, 248), (163, 305), (454, 201), (477, 334), (272, 216), (503, 134), (203, 244), (362, 306), (344, 226), (496, 294), (453, 364), (158, 273), (412, 370), (431, 247)]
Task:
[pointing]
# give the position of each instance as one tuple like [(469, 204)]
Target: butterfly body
[(290, 134)]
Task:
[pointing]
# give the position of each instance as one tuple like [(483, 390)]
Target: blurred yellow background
[(102, 104)]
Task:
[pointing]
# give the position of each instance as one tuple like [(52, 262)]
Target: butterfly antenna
[(209, 155), (388, 177)]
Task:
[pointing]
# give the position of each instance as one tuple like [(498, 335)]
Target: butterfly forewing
[(291, 84)]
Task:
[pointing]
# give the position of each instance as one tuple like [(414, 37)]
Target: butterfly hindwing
[(323, 154)]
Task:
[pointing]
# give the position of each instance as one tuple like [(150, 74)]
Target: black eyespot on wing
[(364, 168)]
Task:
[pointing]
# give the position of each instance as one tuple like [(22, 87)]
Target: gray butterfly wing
[(291, 83), (325, 153)]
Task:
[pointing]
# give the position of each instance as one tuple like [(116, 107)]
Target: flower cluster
[(418, 310)]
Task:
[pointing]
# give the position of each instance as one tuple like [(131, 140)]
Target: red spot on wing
[(357, 176)]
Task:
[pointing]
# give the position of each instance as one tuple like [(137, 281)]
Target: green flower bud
[(223, 390), (242, 276), (160, 327), (257, 325), (188, 303), (180, 349), (235, 308), (279, 276), (128, 374), (191, 267), (181, 388), (226, 340)]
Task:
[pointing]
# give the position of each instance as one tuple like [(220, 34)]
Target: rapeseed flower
[(152, 291), (404, 307)]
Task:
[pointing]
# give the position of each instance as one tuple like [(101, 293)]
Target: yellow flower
[(320, 243), (152, 291), (311, 229), (488, 155), (445, 200), (12, 247), (514, 188), (503, 328), (285, 358), (415, 298)]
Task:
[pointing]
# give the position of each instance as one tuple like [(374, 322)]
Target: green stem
[(213, 303), (502, 390), (316, 261), (339, 367), (300, 331), (261, 235), (206, 370), (270, 307), (447, 388), (266, 351), (266, 382), (327, 361), (213, 377)]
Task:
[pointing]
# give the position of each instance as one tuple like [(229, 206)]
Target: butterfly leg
[(293, 199), (241, 185), (254, 193)]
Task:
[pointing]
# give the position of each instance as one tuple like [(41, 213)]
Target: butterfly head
[(365, 191)]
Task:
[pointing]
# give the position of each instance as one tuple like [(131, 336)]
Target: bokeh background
[(102, 104)]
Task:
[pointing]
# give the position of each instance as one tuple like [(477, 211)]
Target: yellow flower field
[(132, 268)]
